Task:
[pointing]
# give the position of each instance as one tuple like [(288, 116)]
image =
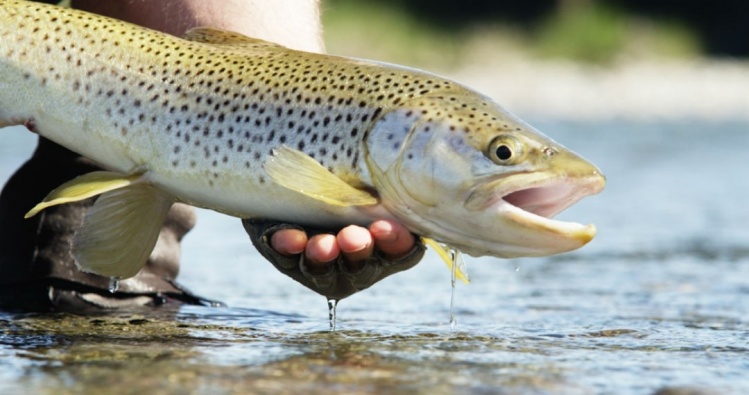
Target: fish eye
[(504, 150)]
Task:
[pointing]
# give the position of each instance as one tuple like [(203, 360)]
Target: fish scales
[(201, 117), (197, 106)]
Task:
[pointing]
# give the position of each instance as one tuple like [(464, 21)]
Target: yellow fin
[(84, 187), (120, 231), (224, 38), (297, 171), (445, 255)]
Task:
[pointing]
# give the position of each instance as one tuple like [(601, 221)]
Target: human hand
[(340, 265), (353, 243)]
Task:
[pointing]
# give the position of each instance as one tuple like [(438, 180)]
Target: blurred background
[(579, 59), (654, 92)]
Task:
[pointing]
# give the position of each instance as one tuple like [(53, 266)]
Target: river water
[(659, 300)]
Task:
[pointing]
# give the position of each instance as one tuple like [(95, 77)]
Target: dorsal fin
[(226, 39)]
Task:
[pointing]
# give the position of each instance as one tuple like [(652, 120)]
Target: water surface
[(659, 299)]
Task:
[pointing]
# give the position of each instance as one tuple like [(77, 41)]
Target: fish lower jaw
[(563, 235)]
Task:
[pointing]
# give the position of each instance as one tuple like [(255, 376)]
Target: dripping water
[(457, 260), (114, 284), (332, 305)]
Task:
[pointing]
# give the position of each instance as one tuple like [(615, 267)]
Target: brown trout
[(252, 129)]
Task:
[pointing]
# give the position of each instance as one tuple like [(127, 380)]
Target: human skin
[(295, 24)]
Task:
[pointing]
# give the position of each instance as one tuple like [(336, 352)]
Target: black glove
[(338, 282), (37, 271)]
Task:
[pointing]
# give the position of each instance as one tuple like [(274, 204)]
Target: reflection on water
[(659, 299)]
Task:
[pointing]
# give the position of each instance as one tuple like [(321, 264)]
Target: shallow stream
[(660, 299)]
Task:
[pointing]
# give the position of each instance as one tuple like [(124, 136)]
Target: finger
[(356, 246), (392, 238), (289, 242), (321, 250)]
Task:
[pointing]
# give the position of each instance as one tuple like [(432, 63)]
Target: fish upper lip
[(536, 202)]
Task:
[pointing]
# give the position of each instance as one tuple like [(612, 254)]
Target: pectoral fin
[(296, 170), (442, 251), (120, 231), (84, 187)]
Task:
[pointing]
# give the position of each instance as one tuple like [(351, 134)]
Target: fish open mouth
[(546, 201), (533, 203)]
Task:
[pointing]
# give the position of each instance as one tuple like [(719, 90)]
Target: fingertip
[(322, 248), (392, 238), (356, 245), (289, 241), (385, 230), (354, 239)]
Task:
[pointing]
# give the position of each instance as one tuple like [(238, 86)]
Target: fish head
[(458, 168)]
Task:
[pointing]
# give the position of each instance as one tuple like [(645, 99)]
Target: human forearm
[(292, 23)]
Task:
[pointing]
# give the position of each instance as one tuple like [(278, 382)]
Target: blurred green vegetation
[(442, 34), (601, 33), (386, 32)]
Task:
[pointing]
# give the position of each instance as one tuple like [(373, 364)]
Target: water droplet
[(332, 305), (455, 255), (461, 264), (114, 284), (517, 268)]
